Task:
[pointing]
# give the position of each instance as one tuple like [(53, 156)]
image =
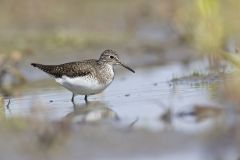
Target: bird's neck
[(102, 62), (106, 72)]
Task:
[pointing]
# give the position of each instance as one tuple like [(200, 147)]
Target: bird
[(87, 77)]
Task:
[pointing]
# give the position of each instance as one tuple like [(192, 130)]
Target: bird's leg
[(73, 98), (85, 98)]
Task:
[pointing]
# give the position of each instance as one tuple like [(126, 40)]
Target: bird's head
[(111, 57)]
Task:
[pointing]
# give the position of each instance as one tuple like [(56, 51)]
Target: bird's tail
[(50, 69), (35, 64), (44, 68), (40, 66)]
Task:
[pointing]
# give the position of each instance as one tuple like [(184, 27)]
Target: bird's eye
[(111, 57)]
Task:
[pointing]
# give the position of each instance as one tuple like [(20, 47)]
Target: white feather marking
[(81, 85)]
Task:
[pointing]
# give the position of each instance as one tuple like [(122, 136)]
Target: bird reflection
[(91, 112)]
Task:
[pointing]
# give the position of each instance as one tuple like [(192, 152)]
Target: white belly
[(82, 85)]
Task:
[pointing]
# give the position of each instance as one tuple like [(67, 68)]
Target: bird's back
[(72, 69)]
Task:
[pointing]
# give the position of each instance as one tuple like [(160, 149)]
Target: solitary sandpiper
[(86, 77)]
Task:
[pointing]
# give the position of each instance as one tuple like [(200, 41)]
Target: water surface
[(141, 100)]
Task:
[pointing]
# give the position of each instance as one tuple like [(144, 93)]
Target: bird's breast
[(105, 75)]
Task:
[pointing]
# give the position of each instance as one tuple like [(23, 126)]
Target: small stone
[(127, 95)]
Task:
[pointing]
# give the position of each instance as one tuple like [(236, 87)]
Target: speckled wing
[(72, 69)]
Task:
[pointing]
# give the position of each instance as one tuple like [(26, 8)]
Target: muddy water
[(142, 100)]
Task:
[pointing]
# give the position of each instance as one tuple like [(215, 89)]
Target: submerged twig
[(8, 104), (133, 123)]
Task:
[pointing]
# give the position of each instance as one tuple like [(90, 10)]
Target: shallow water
[(139, 116), (142, 100)]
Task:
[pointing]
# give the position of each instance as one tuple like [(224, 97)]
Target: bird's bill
[(125, 66)]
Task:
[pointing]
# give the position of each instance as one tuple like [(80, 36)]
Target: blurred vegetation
[(54, 25), (10, 75), (1, 104), (212, 26)]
